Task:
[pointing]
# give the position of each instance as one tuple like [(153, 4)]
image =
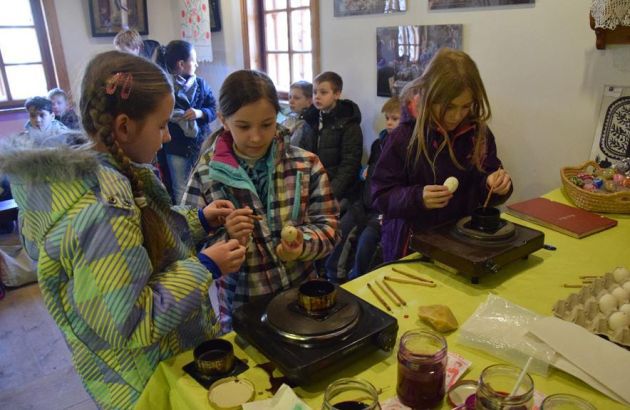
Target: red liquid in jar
[(422, 387)]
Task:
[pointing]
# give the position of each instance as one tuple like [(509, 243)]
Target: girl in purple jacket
[(443, 133)]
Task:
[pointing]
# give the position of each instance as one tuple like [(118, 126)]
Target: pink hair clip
[(124, 80)]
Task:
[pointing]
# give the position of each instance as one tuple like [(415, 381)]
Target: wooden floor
[(35, 367)]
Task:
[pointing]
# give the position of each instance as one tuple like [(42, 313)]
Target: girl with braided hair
[(117, 264)]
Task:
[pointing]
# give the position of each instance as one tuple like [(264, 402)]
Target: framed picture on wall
[(108, 17), (455, 4), (356, 7), (215, 16), (402, 53)]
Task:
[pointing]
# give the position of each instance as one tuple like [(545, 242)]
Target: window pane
[(275, 4), (26, 50), (302, 67), (300, 3), (277, 30), (26, 81), (301, 30), (278, 70), (18, 13), (3, 92)]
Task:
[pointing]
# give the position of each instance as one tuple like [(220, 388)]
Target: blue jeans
[(366, 248), (179, 169)]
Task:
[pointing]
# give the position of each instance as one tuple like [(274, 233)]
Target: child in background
[(362, 220), (273, 184), (62, 110), (337, 137), (449, 136), (195, 109), (300, 98), (128, 41), (42, 121), (117, 265)]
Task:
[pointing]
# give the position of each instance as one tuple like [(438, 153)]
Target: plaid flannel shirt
[(299, 193)]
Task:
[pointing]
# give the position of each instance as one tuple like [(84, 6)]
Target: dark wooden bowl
[(215, 356), (317, 295)]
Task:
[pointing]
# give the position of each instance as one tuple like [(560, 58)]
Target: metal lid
[(231, 393)]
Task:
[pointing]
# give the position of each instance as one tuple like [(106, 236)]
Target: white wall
[(539, 64)]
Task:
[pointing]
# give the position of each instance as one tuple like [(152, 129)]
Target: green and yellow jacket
[(78, 219)]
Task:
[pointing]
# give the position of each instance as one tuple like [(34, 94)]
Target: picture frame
[(215, 16), (456, 4), (108, 17), (344, 8)]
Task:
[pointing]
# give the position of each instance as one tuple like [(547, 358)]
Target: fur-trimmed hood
[(32, 158)]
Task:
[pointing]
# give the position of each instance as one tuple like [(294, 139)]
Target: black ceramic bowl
[(317, 295), (215, 356), (485, 219)]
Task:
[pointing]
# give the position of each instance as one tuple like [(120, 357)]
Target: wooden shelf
[(620, 35)]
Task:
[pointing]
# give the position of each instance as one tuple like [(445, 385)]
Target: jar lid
[(458, 393), (231, 393)]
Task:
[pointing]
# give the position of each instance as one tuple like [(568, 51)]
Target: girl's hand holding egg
[(436, 196), (291, 243)]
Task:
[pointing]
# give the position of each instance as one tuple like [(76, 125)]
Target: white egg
[(618, 320), (289, 233), (621, 295), (625, 309), (621, 274), (626, 286), (607, 303), (451, 184)]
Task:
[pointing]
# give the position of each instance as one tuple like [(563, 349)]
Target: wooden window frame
[(46, 28), (253, 31)]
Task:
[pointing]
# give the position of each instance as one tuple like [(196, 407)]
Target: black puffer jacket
[(339, 144)]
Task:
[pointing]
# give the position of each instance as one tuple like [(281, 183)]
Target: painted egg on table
[(621, 274), (451, 184), (618, 320), (607, 303)]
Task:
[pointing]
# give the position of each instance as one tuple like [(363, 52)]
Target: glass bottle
[(565, 402), (350, 394), (422, 357), (495, 385)]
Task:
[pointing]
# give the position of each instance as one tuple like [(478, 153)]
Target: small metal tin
[(458, 394), (231, 393), (215, 356)]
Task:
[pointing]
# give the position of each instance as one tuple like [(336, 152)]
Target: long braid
[(101, 109)]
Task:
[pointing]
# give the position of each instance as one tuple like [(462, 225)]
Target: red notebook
[(569, 220)]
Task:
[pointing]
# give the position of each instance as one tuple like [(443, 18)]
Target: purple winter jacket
[(397, 189)]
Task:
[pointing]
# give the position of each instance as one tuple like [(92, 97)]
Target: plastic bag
[(501, 328)]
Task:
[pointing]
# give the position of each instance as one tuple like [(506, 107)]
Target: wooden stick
[(485, 204), (411, 282), (401, 300), (387, 294), (589, 277), (567, 285), (256, 217), (380, 299), (412, 276)]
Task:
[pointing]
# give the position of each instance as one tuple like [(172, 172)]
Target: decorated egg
[(289, 233), (607, 173), (621, 274), (589, 186), (607, 303), (451, 184), (618, 320), (625, 309), (626, 182), (618, 179), (610, 186), (620, 294)]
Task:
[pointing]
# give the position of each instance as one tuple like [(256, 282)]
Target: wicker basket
[(616, 202)]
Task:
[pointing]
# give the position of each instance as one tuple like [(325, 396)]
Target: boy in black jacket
[(337, 137)]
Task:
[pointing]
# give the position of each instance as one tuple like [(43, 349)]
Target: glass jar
[(422, 357), (350, 394), (495, 385), (565, 402)]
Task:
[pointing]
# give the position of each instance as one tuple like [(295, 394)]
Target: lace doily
[(611, 13)]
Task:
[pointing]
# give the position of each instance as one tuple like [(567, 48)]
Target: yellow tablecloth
[(535, 283)]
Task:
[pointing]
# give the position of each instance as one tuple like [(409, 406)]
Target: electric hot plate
[(476, 252), (305, 345)]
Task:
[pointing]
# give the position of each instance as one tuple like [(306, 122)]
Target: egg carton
[(602, 307)]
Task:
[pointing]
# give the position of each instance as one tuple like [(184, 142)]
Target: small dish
[(317, 295), (231, 393), (459, 394)]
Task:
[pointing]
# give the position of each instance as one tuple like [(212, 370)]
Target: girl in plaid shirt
[(271, 184)]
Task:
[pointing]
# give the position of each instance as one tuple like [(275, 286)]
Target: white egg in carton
[(602, 307)]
